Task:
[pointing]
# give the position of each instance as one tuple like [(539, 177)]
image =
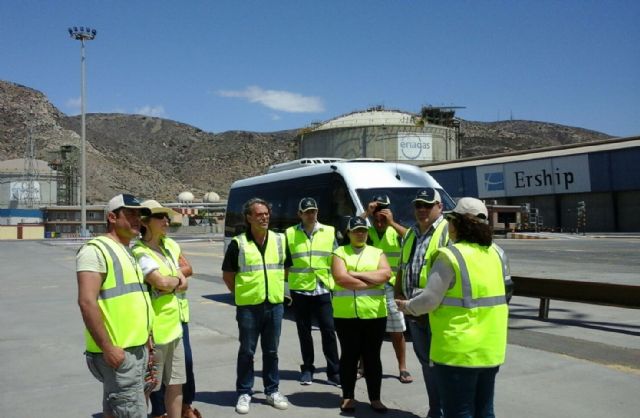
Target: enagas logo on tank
[(414, 147)]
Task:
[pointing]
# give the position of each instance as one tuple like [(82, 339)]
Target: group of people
[(442, 277), (136, 313), (444, 273)]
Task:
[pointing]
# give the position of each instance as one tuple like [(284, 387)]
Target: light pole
[(83, 34)]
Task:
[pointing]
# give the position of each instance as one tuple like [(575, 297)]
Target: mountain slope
[(159, 158)]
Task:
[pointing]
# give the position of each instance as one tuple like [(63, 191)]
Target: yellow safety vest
[(258, 279), (390, 245), (364, 304), (469, 328), (123, 299), (440, 238), (175, 251), (311, 257), (166, 326)]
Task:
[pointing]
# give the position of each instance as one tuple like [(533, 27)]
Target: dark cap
[(127, 201), (382, 200), (356, 222), (307, 203), (428, 195)]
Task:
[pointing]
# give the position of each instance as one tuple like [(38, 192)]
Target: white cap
[(472, 206), (126, 201), (156, 207)]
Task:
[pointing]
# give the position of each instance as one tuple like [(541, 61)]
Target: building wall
[(607, 181)]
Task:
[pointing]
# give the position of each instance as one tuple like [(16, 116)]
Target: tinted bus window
[(329, 190), (401, 199)]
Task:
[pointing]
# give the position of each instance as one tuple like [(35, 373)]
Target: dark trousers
[(421, 337), (188, 389), (360, 338), (305, 309), (466, 392), (255, 322)]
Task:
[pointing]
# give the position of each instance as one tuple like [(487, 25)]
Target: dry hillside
[(154, 157)]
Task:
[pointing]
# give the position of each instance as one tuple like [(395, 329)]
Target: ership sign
[(535, 177)]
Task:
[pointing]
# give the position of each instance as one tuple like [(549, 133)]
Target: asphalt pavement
[(583, 362)]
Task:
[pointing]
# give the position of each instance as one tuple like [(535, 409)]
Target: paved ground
[(584, 362)]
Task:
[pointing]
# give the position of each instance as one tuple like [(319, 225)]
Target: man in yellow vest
[(253, 270), (116, 310), (308, 269), (418, 246), (386, 234), (466, 298)]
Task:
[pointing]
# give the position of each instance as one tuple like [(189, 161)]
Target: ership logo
[(494, 181)]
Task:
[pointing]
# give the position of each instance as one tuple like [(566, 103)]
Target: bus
[(342, 188)]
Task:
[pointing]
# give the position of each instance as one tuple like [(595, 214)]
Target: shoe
[(334, 380), (348, 405), (378, 407), (278, 400), (306, 378), (189, 412), (243, 404)]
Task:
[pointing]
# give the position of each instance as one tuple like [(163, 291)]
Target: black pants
[(361, 338), (305, 308)]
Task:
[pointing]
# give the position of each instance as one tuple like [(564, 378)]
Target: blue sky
[(282, 64)]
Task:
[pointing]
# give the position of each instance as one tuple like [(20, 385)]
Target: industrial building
[(590, 186), (391, 135)]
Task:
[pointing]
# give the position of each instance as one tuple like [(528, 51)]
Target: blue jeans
[(421, 337), (262, 321), (188, 389), (466, 392)]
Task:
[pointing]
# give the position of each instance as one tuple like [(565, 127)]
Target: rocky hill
[(154, 157)]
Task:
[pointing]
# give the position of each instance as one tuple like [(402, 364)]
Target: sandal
[(405, 376), (189, 412), (348, 405), (378, 407)]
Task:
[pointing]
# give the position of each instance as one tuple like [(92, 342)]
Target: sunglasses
[(160, 216), (423, 205)]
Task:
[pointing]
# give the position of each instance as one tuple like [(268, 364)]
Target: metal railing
[(595, 293)]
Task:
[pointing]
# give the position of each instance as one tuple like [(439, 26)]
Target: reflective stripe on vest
[(469, 327), (439, 238), (175, 251), (390, 244), (123, 300), (364, 304), (260, 278), (167, 325), (311, 258)]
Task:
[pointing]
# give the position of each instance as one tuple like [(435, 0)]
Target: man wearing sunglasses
[(116, 310), (420, 242)]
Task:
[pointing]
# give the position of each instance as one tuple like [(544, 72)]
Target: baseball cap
[(356, 222), (428, 195), (156, 207), (382, 200), (472, 206), (307, 203), (126, 201)]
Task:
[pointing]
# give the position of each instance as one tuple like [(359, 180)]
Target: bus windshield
[(401, 199)]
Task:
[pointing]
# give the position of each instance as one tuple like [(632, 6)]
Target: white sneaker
[(242, 406), (278, 400)]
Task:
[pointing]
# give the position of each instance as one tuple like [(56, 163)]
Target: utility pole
[(84, 33)]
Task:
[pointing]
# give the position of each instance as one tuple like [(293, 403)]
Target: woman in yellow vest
[(360, 312), (466, 300), (161, 268)]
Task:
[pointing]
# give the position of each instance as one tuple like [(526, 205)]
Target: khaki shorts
[(170, 360), (123, 388)]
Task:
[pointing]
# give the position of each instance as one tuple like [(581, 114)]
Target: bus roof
[(357, 175)]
